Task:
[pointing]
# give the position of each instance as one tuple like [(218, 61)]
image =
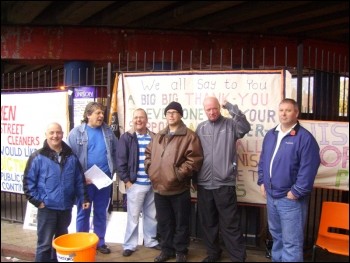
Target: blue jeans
[(100, 201), (51, 224), (140, 198), (286, 219)]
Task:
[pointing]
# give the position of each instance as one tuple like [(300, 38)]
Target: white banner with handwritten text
[(257, 94)]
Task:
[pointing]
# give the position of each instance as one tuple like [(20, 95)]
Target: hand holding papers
[(98, 177)]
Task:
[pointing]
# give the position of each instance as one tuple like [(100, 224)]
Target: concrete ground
[(18, 245)]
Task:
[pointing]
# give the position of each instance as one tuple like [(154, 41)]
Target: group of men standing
[(158, 170)]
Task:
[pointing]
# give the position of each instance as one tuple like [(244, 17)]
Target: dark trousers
[(218, 213), (173, 216), (50, 224)]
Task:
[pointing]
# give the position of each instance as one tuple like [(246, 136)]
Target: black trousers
[(173, 216), (218, 213)]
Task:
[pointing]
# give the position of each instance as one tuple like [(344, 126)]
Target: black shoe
[(163, 257), (211, 259), (157, 247), (104, 249), (180, 257), (127, 252)]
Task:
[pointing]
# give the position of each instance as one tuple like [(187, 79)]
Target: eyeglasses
[(171, 113)]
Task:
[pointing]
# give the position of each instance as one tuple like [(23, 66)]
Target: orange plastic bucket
[(76, 247)]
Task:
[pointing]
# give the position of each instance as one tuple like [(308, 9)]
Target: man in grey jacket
[(216, 181)]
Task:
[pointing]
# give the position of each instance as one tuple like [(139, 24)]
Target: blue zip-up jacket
[(218, 141), (56, 184), (128, 156), (295, 165), (78, 141)]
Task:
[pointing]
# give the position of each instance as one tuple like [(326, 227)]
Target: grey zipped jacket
[(218, 141)]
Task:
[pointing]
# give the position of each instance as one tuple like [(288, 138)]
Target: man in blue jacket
[(52, 182), (287, 169)]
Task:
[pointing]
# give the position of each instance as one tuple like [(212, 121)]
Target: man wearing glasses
[(171, 158)]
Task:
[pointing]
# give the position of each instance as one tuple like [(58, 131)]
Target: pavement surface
[(18, 245)]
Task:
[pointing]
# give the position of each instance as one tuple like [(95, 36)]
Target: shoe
[(104, 249), (157, 247), (211, 259), (127, 252), (180, 257), (163, 257)]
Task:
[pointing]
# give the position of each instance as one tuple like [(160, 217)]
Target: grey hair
[(90, 108), (140, 109)]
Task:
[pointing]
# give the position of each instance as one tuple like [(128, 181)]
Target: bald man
[(52, 181), (216, 190)]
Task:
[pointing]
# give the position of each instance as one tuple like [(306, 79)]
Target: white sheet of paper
[(98, 177)]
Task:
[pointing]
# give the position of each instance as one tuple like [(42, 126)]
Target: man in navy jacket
[(287, 169)]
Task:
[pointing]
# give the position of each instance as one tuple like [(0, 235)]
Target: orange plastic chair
[(333, 232)]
